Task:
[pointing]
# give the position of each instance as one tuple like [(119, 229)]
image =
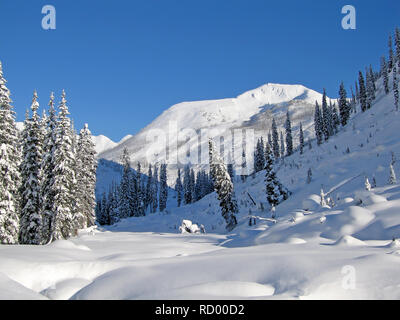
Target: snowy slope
[(253, 109)]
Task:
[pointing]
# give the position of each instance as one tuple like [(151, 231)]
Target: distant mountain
[(253, 109)]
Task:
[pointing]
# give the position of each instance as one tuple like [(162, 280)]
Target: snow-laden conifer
[(275, 191), (163, 187), (223, 186), (10, 159), (31, 177), (64, 181), (289, 137), (48, 165), (86, 177)]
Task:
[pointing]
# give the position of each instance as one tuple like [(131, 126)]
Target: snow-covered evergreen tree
[(86, 177), (367, 184), (301, 139), (223, 186), (187, 190), (385, 74), (48, 165), (276, 193), (275, 140), (395, 88), (397, 43), (391, 60), (155, 190), (363, 92), (31, 200), (289, 137), (335, 117), (139, 193), (326, 118), (64, 181), (126, 201), (318, 123), (343, 105), (163, 187), (259, 159), (392, 178), (10, 159), (370, 88), (148, 192)]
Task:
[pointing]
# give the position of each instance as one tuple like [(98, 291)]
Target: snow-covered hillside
[(253, 110)]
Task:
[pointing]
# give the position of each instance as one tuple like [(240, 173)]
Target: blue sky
[(123, 62)]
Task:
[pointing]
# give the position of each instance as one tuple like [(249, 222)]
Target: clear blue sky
[(123, 62)]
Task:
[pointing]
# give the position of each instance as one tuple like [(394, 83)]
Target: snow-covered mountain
[(251, 110)]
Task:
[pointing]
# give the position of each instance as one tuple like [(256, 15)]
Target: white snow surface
[(301, 255)]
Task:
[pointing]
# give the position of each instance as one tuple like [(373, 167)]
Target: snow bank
[(312, 203), (349, 241), (368, 198)]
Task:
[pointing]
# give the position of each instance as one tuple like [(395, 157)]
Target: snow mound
[(235, 289), (67, 244), (395, 244), (12, 290), (349, 241), (352, 220), (312, 203), (65, 289), (368, 198), (295, 241)]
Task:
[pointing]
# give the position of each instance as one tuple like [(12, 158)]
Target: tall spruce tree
[(187, 190), (259, 159), (335, 117), (48, 165), (31, 200), (179, 188), (385, 74), (326, 118), (363, 93), (391, 60), (163, 187), (126, 189), (397, 43), (275, 140), (64, 180), (318, 123), (275, 192), (139, 192), (10, 159), (148, 193), (86, 177), (395, 88), (155, 190), (223, 186), (289, 137), (343, 105), (301, 139)]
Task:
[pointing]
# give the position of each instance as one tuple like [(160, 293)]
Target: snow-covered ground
[(310, 252), (346, 255)]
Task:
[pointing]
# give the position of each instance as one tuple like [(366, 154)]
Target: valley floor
[(117, 264)]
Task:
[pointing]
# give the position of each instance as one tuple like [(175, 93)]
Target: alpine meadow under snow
[(314, 214)]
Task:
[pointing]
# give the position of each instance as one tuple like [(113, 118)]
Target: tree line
[(48, 174)]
